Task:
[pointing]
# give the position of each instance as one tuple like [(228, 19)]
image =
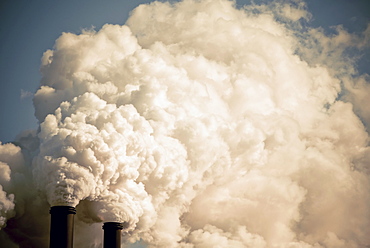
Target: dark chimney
[(112, 234), (61, 226)]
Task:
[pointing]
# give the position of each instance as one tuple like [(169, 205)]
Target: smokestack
[(112, 234), (61, 226)]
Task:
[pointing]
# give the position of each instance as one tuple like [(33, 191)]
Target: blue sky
[(28, 28)]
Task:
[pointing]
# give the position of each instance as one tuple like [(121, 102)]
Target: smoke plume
[(198, 124)]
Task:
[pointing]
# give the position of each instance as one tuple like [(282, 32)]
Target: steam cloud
[(199, 125)]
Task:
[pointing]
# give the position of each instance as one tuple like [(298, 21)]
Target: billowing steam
[(199, 125)]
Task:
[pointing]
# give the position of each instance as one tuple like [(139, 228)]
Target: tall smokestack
[(112, 234), (61, 226)]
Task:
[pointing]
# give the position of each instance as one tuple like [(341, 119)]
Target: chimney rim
[(62, 209), (113, 225)]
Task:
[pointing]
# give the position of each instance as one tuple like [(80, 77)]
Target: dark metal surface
[(61, 226), (112, 234)]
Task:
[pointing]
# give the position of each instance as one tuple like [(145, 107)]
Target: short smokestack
[(112, 234), (61, 226)]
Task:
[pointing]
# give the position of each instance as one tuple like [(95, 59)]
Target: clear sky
[(28, 28)]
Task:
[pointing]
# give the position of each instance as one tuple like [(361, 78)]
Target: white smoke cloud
[(199, 125), (8, 154), (6, 205)]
